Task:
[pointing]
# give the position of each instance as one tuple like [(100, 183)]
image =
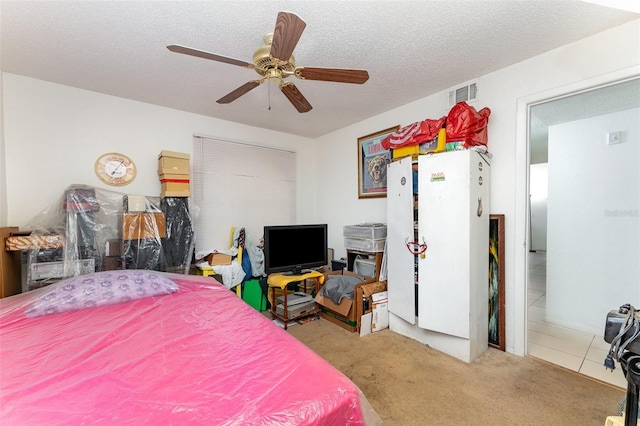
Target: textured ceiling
[(411, 49)]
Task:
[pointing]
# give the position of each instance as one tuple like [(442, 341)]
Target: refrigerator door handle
[(415, 247)]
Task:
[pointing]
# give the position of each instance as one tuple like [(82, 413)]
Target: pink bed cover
[(197, 356)]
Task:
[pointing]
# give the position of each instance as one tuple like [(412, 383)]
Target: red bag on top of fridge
[(413, 134), (465, 124)]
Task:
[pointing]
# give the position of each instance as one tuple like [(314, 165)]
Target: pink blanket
[(197, 356)]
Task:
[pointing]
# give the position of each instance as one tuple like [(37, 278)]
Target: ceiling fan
[(274, 61)]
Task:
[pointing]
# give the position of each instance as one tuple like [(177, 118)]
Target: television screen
[(293, 248)]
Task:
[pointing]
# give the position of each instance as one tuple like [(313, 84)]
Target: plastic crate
[(366, 267), (364, 245), (367, 231)]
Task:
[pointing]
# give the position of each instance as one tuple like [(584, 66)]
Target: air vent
[(468, 93)]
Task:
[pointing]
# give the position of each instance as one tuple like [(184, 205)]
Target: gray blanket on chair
[(338, 287)]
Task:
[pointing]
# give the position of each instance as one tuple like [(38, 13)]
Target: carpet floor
[(408, 383)]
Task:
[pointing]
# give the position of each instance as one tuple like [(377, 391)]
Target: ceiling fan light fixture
[(274, 75)]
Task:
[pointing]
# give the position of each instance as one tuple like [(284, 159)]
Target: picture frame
[(496, 282), (372, 164)]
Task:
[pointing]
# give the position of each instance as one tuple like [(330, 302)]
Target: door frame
[(521, 220)]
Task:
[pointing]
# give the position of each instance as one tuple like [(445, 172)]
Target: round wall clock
[(115, 169)]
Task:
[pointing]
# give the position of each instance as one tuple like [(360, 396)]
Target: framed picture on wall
[(372, 164), (496, 282)]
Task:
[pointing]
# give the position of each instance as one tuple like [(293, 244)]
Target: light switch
[(613, 138)]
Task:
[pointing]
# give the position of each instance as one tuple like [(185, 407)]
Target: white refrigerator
[(437, 247)]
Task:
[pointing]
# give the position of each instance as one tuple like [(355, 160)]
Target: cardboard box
[(176, 163), (174, 178), (364, 302), (380, 311), (219, 259), (134, 203), (173, 154), (177, 194), (142, 226), (343, 314), (175, 186)]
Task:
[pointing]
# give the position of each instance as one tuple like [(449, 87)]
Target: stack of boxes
[(173, 170)]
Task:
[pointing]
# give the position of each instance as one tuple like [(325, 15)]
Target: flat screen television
[(293, 249)]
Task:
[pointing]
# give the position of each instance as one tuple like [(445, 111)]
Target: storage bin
[(366, 267), (364, 245), (253, 295), (367, 231), (405, 151)]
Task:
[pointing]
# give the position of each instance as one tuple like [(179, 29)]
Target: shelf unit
[(281, 281)]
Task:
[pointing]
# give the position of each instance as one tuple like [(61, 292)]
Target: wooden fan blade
[(206, 55), (333, 74), (245, 88), (295, 97), (289, 28)]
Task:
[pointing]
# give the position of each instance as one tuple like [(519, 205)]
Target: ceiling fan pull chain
[(269, 94)]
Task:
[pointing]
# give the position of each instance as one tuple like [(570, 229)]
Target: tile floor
[(575, 350)]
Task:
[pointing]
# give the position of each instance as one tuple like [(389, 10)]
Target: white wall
[(593, 220), (45, 120), (54, 134), (538, 194), (3, 175), (604, 53)]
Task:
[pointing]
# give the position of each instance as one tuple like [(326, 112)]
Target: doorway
[(581, 131)]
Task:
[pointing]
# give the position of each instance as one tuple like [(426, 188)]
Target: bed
[(143, 347)]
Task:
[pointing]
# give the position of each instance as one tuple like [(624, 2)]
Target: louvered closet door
[(400, 262)]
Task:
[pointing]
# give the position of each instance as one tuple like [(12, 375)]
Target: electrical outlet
[(613, 138)]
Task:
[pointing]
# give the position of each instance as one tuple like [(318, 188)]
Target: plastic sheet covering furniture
[(199, 355)]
